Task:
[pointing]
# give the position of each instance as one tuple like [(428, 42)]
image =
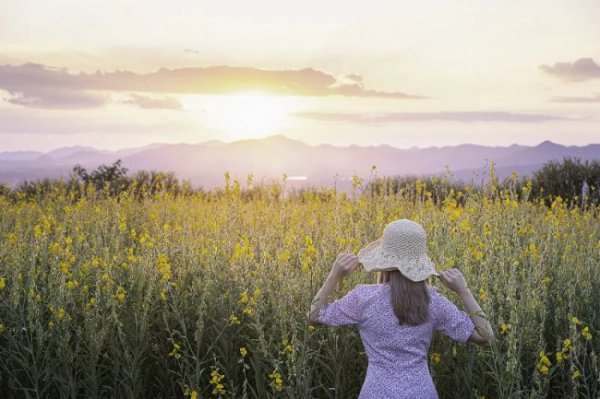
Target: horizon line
[(300, 141)]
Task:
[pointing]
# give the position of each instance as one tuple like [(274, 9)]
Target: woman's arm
[(343, 266), (455, 280), (483, 332)]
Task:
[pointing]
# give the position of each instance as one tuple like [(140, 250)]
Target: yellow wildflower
[(175, 352), (547, 280), (566, 345), (244, 297), (576, 374), (215, 380), (276, 381), (435, 358), (544, 363), (287, 348), (164, 268), (243, 351), (120, 294), (586, 333)]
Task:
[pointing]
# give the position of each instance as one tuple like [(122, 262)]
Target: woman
[(396, 318)]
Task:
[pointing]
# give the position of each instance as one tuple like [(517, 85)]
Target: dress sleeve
[(344, 311), (451, 321)]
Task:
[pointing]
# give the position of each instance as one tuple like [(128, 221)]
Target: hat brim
[(373, 260)]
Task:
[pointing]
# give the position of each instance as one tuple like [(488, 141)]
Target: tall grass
[(206, 295)]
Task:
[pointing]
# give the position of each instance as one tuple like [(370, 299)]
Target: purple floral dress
[(397, 354)]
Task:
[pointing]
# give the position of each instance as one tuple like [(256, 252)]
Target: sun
[(249, 114)]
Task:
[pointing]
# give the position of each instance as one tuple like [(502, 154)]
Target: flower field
[(206, 295)]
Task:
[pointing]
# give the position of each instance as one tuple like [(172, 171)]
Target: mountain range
[(204, 164)]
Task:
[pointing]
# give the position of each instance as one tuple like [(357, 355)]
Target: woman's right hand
[(345, 264), (453, 279)]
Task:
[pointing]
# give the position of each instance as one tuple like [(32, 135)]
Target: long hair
[(410, 299)]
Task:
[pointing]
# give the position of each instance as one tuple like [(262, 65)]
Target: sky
[(117, 74)]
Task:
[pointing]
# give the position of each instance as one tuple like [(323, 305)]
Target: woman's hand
[(453, 279), (345, 264)]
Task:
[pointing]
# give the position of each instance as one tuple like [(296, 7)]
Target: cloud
[(154, 103), (36, 86), (427, 117), (29, 79), (56, 99), (582, 69), (592, 99)]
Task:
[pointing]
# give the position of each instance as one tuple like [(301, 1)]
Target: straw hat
[(402, 247)]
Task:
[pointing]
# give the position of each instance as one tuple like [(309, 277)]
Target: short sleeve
[(344, 311), (451, 321)]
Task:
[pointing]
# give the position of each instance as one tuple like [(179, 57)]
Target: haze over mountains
[(204, 164)]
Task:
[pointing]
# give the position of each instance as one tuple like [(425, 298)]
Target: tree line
[(575, 181)]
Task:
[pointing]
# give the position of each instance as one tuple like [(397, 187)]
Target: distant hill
[(204, 163)]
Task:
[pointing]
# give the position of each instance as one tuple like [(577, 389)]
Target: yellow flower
[(575, 321), (586, 333), (287, 348), (559, 357), (435, 358), (175, 352), (194, 395), (504, 328), (547, 280), (482, 294), (243, 351), (311, 328), (276, 381), (233, 319), (164, 268), (576, 374), (544, 363), (215, 380), (120, 294), (244, 297)]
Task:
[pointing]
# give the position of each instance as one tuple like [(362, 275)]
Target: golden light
[(242, 115)]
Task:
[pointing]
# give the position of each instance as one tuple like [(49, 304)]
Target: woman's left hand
[(345, 264)]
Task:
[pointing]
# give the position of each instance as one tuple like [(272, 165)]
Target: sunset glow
[(241, 115)]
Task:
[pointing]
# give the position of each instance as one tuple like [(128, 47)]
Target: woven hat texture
[(403, 247)]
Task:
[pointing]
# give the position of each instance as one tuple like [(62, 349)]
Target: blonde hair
[(410, 299)]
